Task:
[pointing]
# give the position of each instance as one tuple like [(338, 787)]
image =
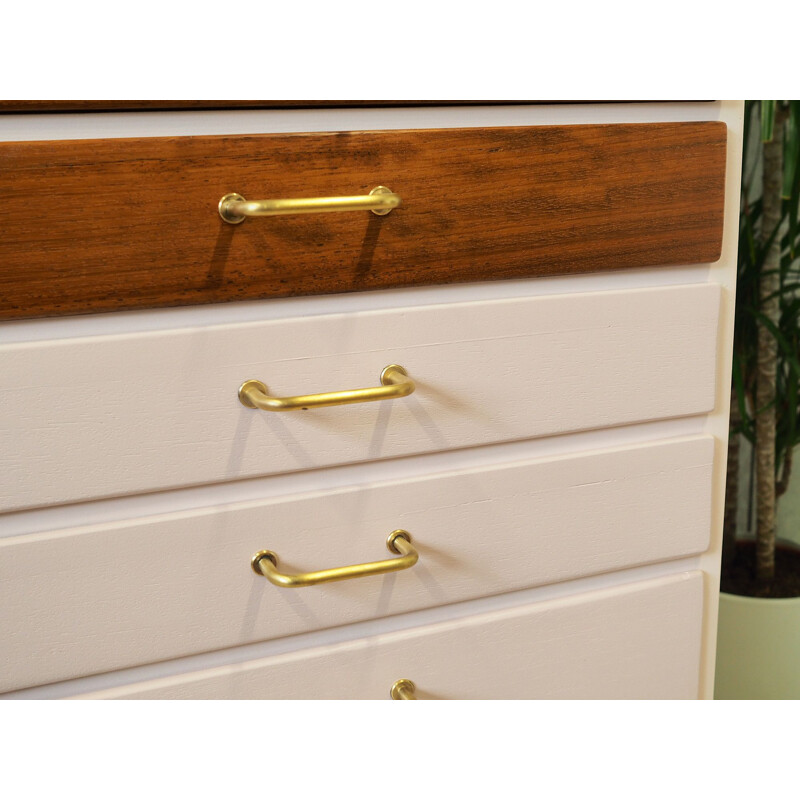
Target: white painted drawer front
[(99, 598), (110, 415), (636, 641)]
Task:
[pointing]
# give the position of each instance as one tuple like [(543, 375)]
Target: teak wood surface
[(102, 225)]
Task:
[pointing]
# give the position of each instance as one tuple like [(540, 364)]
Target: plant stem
[(731, 485), (766, 381), (786, 473)]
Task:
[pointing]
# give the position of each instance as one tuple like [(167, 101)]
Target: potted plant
[(758, 647)]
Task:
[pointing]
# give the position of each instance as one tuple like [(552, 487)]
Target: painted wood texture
[(105, 416), (100, 225), (636, 641), (95, 593), (48, 106)]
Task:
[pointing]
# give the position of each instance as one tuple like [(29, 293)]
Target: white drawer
[(105, 597), (102, 416), (636, 641)]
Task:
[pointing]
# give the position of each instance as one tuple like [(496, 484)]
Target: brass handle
[(403, 689), (265, 563), (234, 208), (394, 383)]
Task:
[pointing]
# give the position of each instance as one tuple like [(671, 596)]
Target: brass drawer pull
[(403, 689), (265, 563), (234, 208), (394, 383)]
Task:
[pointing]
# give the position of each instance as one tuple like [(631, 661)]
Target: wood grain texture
[(100, 225), (96, 591), (635, 641), (103, 416)]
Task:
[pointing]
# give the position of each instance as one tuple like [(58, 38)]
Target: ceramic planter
[(758, 648)]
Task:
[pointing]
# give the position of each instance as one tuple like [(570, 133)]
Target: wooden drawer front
[(84, 600), (111, 415), (120, 223), (639, 641)]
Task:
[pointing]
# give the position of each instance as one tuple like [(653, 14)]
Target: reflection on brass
[(403, 689), (234, 208), (394, 383), (265, 563)]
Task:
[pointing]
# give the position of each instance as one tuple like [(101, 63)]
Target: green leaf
[(750, 238), (791, 172), (786, 289), (748, 170), (767, 119), (784, 348), (765, 245), (791, 312), (738, 386)]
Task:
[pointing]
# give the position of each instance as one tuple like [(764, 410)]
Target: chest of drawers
[(556, 284)]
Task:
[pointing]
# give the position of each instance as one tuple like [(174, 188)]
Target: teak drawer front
[(112, 415), (637, 641), (100, 225), (110, 596)]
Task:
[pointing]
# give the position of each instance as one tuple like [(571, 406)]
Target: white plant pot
[(758, 648)]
